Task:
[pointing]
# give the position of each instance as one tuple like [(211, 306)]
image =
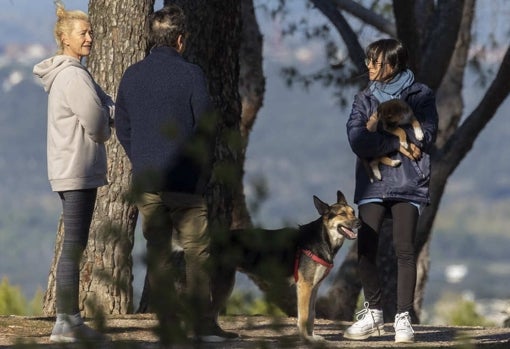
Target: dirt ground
[(135, 331)]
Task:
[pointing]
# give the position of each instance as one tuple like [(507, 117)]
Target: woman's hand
[(412, 151)]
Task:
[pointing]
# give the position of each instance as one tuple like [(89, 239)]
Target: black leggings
[(78, 207), (405, 218)]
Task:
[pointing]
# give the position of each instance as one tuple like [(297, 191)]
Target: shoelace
[(360, 315), (404, 317)]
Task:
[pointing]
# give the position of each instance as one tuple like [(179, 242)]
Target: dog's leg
[(375, 173), (401, 134), (222, 284), (418, 132), (374, 168), (311, 314), (413, 153), (389, 161), (368, 168), (306, 295)]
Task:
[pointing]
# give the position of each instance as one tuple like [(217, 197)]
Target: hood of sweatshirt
[(48, 69)]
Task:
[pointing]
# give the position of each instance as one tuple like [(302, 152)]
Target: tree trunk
[(106, 269), (49, 300), (215, 38), (340, 301), (450, 103), (251, 89)]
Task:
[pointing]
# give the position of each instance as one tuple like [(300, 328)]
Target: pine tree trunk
[(340, 301), (213, 44), (49, 301), (106, 270), (251, 89)]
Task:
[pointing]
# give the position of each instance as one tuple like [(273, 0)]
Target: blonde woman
[(78, 125)]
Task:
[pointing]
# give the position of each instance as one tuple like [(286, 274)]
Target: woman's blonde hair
[(65, 21)]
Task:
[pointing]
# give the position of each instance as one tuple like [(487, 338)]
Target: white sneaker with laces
[(404, 332), (63, 333), (71, 329), (369, 323)]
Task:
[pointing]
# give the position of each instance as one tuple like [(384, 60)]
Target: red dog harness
[(313, 257)]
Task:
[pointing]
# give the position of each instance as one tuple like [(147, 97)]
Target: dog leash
[(314, 258)]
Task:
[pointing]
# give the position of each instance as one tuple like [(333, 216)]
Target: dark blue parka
[(410, 180), (160, 102)]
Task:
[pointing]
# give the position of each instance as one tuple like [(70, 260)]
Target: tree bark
[(106, 269), (449, 102), (213, 44), (340, 301), (252, 84)]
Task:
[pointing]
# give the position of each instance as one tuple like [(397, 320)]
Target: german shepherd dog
[(392, 114), (287, 257)]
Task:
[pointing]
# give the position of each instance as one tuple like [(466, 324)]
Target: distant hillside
[(299, 148)]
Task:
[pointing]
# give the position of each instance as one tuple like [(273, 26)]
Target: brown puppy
[(392, 114), (281, 258)]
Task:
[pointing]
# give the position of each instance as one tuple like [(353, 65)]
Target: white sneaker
[(64, 333), (404, 332), (369, 323)]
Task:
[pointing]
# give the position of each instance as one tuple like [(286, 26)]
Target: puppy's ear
[(320, 205), (340, 198)]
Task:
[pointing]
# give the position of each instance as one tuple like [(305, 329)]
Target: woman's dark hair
[(166, 25), (389, 51)]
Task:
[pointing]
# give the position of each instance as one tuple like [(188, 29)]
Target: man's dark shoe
[(214, 334)]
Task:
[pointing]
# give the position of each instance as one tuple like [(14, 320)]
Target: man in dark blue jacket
[(161, 103)]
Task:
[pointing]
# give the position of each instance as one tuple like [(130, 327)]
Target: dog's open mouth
[(348, 233)]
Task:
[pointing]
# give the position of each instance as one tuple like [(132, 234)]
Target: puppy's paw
[(395, 163), (404, 145), (418, 133), (376, 173)]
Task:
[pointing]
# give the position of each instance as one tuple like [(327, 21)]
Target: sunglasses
[(369, 61)]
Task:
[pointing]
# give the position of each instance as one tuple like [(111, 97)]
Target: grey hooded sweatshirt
[(78, 124)]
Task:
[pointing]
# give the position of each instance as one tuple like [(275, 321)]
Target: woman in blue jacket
[(402, 191)]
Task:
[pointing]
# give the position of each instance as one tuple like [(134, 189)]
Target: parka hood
[(48, 69)]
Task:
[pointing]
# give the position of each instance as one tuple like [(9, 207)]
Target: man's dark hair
[(166, 25)]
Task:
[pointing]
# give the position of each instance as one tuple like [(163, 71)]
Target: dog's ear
[(320, 205), (340, 198)]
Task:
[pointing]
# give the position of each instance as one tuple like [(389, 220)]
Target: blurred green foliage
[(247, 303), (12, 301), (457, 311)]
